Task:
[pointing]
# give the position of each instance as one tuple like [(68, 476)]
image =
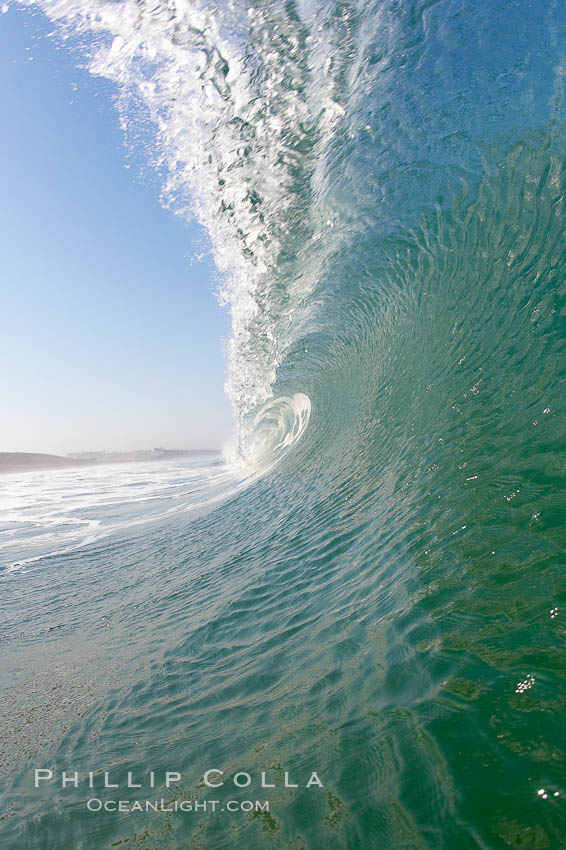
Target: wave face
[(384, 188)]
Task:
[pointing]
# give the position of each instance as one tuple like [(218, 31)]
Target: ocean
[(369, 586)]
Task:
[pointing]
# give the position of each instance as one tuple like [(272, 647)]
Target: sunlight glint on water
[(373, 588)]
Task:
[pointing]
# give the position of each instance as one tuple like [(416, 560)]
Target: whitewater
[(370, 583)]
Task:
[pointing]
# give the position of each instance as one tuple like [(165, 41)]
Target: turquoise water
[(371, 584)]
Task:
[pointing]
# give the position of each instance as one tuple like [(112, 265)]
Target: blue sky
[(110, 337)]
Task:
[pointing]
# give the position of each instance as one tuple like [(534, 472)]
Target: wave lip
[(275, 428), (237, 105)]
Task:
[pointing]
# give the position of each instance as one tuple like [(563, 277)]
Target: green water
[(384, 604)]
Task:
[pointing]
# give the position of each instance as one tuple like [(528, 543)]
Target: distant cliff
[(29, 461)]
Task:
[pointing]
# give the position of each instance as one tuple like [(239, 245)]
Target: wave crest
[(242, 101)]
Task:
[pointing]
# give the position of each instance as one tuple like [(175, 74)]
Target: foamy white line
[(278, 427)]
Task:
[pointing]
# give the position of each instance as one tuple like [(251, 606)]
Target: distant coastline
[(13, 462)]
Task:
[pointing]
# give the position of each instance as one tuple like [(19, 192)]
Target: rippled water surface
[(372, 586)]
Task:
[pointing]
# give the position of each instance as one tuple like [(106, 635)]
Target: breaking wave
[(384, 187)]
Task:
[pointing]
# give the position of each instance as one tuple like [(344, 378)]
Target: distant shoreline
[(14, 462)]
